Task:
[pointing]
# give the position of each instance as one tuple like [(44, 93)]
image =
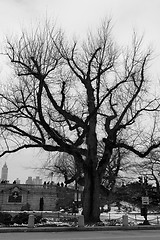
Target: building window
[(15, 196)]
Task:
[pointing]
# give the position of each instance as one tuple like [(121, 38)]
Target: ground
[(94, 235)]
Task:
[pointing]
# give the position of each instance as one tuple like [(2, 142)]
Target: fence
[(109, 219), (133, 219)]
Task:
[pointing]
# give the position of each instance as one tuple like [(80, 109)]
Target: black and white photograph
[(79, 119)]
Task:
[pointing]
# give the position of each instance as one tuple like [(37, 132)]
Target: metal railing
[(133, 219)]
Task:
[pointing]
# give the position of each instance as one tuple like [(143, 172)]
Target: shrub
[(21, 218), (37, 219), (5, 218)]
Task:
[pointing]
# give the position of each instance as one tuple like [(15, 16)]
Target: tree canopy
[(66, 96)]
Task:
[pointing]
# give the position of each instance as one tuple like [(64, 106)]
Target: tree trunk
[(91, 206)]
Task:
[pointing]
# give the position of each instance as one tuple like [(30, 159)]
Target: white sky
[(76, 17)]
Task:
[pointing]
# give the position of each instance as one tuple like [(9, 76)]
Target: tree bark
[(91, 202)]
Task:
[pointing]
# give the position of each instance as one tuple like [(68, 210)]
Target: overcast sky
[(76, 17)]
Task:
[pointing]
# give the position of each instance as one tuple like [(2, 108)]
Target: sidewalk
[(71, 229)]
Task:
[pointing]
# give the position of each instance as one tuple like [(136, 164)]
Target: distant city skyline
[(29, 180), (23, 164)]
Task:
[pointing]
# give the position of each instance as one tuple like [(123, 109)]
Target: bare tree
[(63, 165), (68, 96), (150, 168)]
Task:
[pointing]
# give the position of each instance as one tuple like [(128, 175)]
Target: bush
[(38, 219), (5, 218), (21, 218)]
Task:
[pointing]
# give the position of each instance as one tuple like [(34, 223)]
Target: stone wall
[(65, 197), (15, 197)]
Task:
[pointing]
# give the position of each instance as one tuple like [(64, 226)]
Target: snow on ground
[(134, 216)]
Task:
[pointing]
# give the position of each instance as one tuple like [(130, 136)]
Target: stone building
[(18, 197)]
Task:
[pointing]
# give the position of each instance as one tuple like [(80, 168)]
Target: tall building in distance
[(30, 181), (18, 181), (4, 172), (35, 181)]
